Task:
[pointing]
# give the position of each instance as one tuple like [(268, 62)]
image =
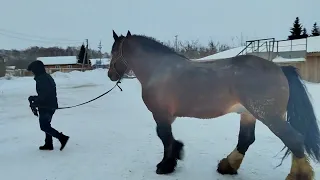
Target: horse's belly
[(206, 111)]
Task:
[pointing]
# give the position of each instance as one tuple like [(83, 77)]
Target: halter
[(121, 57)]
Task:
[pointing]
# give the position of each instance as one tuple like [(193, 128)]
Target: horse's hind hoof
[(299, 177), (224, 167), (166, 167)]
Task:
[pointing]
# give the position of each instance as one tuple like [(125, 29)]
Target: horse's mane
[(155, 45)]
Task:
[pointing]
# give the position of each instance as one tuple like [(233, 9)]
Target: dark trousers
[(45, 117)]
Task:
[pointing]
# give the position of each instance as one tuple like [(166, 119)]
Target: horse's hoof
[(224, 167), (301, 176), (166, 167)]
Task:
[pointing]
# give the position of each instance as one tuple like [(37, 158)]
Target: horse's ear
[(128, 33), (115, 36)]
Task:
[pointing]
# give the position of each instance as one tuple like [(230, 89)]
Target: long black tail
[(300, 113)]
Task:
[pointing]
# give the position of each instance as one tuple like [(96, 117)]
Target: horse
[(175, 86)]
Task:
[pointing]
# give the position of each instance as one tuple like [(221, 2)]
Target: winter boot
[(46, 146), (63, 140)]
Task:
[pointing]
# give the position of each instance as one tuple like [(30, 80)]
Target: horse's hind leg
[(232, 162), (300, 167), (172, 148)]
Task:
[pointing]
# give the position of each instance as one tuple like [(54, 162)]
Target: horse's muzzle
[(113, 76)]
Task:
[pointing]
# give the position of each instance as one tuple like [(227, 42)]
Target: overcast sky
[(76, 20)]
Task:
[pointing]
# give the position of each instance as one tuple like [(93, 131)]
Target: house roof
[(313, 44), (280, 59), (58, 60), (224, 54)]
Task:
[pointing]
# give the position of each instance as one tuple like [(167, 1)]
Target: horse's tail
[(300, 113)]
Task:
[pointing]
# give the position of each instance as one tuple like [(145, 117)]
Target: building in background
[(302, 53), (62, 64), (103, 63)]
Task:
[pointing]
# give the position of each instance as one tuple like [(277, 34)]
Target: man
[(47, 103)]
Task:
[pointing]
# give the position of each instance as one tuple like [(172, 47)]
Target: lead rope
[(116, 85)]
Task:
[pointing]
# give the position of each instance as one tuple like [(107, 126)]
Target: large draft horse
[(174, 86)]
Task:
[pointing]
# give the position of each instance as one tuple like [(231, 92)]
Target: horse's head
[(118, 65)]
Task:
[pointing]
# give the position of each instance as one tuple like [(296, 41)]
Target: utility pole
[(99, 64), (85, 54), (176, 42), (100, 50)]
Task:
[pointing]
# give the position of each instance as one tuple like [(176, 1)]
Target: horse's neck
[(145, 68)]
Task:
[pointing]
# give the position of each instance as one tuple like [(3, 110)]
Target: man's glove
[(34, 110), (31, 100)]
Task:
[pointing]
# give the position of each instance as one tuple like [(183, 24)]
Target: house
[(100, 63), (301, 53), (62, 63)]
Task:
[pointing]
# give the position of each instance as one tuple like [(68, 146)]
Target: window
[(70, 66), (58, 67)]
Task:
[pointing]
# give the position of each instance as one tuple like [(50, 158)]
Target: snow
[(313, 44), (224, 54), (280, 59), (114, 137), (58, 60)]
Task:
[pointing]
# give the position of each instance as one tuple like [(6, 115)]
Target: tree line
[(21, 58), (191, 49)]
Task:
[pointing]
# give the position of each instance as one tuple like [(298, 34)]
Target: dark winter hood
[(37, 67)]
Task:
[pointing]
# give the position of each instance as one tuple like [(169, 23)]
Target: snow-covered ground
[(114, 137)]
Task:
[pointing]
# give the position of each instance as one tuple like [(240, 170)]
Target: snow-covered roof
[(58, 60), (11, 67), (224, 54), (104, 61), (280, 59), (310, 44), (313, 44)]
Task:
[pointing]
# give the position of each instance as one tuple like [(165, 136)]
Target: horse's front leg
[(172, 148)]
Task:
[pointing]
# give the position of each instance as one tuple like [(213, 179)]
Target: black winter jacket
[(45, 87)]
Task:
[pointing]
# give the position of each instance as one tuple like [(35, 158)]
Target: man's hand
[(32, 98), (32, 105)]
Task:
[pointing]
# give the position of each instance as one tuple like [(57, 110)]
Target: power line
[(36, 40), (5, 31)]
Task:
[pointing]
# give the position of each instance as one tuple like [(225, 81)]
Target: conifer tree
[(296, 30), (304, 33), (81, 55), (315, 30)]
